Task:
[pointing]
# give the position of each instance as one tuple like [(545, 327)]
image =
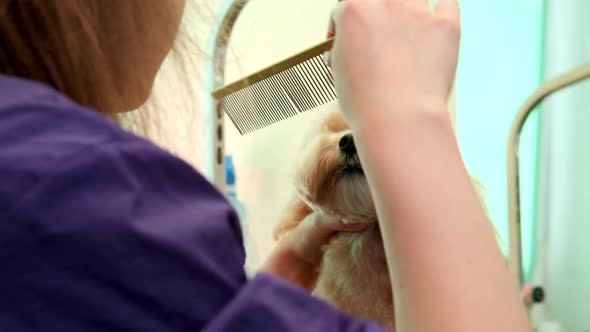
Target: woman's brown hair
[(65, 44), (55, 42)]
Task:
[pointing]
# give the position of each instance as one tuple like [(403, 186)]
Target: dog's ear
[(292, 215)]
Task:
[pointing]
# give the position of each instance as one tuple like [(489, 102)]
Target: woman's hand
[(298, 255), (393, 53)]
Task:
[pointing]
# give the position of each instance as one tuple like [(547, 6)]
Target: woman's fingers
[(308, 239), (332, 30), (299, 254), (333, 224), (449, 9), (319, 228)]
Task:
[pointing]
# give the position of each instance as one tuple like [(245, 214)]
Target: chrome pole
[(213, 129)]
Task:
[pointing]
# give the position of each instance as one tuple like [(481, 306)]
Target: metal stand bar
[(512, 161)]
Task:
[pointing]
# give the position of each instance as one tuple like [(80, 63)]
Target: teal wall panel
[(501, 63)]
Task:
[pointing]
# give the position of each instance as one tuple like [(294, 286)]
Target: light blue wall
[(564, 226), (501, 63)]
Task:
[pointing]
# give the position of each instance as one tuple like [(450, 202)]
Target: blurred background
[(501, 63), (508, 49)]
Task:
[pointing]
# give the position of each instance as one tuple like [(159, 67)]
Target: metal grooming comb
[(292, 86)]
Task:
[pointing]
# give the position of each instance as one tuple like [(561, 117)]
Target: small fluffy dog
[(353, 274)]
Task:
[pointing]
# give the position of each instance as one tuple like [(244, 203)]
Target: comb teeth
[(294, 90)]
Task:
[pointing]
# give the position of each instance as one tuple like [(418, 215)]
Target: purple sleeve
[(102, 231), (113, 236), (269, 304)]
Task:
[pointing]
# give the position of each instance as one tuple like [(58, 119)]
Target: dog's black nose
[(346, 145)]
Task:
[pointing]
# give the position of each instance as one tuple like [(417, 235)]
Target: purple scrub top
[(100, 230)]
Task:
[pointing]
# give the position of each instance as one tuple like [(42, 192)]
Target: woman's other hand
[(298, 255)]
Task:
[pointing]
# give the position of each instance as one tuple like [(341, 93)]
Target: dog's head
[(330, 176)]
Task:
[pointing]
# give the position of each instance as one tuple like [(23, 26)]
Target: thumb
[(331, 224), (332, 29)]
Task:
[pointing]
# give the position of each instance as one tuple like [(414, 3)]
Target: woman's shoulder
[(42, 131), (54, 150), (82, 201), (45, 123)]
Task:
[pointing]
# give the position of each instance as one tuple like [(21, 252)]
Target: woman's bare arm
[(447, 271), (394, 64)]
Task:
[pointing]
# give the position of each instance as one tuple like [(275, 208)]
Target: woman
[(102, 231)]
